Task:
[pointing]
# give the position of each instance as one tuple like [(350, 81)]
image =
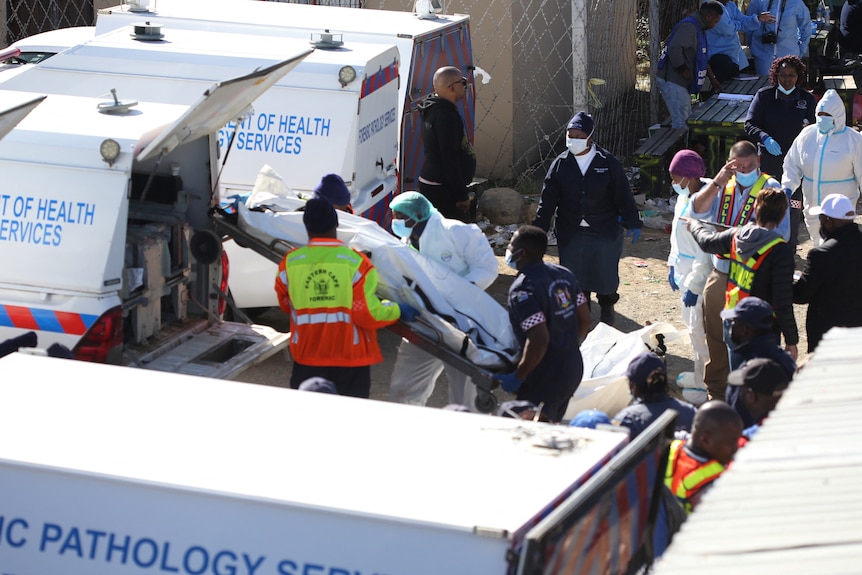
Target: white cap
[(835, 206)]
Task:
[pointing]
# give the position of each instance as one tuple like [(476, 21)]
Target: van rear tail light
[(104, 337), (225, 273)]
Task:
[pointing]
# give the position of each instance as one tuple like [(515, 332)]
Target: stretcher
[(458, 322)]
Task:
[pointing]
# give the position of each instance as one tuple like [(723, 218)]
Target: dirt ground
[(645, 298)]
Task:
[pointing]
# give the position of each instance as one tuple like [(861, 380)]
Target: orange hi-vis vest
[(328, 290), (741, 274), (685, 475)]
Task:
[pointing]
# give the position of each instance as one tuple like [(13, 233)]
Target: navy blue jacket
[(771, 115), (549, 292), (602, 197)]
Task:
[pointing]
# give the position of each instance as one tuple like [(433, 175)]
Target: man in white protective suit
[(825, 158), (465, 250)]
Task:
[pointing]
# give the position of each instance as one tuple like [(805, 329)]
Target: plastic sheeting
[(607, 353), (462, 317)]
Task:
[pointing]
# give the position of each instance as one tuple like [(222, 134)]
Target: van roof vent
[(116, 106), (147, 32), (326, 40)]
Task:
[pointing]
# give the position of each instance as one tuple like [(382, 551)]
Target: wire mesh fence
[(27, 17)]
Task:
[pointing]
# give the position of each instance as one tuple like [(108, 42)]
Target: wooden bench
[(846, 88), (653, 158)]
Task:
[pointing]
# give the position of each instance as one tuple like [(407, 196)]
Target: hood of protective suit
[(832, 104), (751, 238)]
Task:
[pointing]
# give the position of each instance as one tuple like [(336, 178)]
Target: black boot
[(607, 301)]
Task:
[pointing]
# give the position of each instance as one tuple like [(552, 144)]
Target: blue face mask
[(825, 124), (510, 258), (784, 91), (746, 179), (400, 229)]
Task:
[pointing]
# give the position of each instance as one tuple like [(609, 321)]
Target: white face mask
[(576, 145), (678, 188)]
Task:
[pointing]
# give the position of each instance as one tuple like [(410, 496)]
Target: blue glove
[(509, 382), (772, 146), (408, 313), (634, 234), (671, 280), (689, 299)]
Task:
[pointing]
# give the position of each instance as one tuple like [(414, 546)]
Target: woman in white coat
[(689, 265), (825, 158)]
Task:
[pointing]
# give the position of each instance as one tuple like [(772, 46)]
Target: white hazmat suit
[(691, 268), (464, 249), (824, 163)]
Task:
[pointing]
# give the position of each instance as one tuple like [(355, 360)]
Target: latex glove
[(671, 280), (509, 381), (634, 234), (772, 146), (408, 313), (689, 298)]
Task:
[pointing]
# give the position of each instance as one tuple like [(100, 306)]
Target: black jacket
[(831, 284), (773, 281), (449, 156), (602, 197), (781, 118)]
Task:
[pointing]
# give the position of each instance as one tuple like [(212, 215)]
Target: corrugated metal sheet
[(792, 500)]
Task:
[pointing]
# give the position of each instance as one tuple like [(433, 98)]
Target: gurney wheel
[(485, 402)]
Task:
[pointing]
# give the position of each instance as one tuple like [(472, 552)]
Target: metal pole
[(580, 72), (654, 53)]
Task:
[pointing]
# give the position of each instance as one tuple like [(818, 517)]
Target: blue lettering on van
[(12, 531), (376, 125), (39, 221), (158, 556), (274, 133)]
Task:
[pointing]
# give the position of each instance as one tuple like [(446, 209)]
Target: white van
[(336, 113), (106, 236), (126, 473), (424, 45)]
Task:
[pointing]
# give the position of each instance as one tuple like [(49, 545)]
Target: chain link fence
[(533, 58), (27, 17)]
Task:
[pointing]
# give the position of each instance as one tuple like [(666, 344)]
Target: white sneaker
[(552, 238)]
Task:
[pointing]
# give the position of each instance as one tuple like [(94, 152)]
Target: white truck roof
[(360, 458), (68, 130), (235, 14), (14, 106), (117, 53)]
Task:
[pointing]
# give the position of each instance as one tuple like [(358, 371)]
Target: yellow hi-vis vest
[(685, 475), (725, 213), (741, 274), (329, 289)]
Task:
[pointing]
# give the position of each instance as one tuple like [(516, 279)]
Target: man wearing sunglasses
[(450, 162)]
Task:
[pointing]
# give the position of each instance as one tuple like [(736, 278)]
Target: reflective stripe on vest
[(310, 318), (725, 214), (741, 274), (685, 475)]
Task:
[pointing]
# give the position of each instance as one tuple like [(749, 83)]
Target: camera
[(768, 38)]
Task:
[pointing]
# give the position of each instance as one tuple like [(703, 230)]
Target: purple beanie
[(688, 164), (583, 122)]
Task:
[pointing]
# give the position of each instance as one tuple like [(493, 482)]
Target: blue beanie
[(583, 122), (319, 216), (332, 189)]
